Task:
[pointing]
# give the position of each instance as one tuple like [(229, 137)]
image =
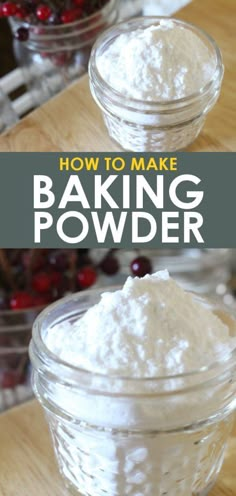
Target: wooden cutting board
[(28, 468), (72, 122)]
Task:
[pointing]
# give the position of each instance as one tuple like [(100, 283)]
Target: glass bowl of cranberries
[(53, 39)]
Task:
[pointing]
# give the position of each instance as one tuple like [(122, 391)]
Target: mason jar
[(153, 126), (114, 435), (54, 56)]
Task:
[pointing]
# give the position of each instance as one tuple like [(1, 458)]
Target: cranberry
[(141, 266), (41, 282), (20, 300), (1, 11), (9, 9), (86, 277), (110, 265), (69, 15), (22, 34), (43, 12)]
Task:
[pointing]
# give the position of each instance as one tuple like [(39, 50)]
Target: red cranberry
[(9, 9), (141, 266), (43, 12), (22, 34), (86, 277), (1, 11), (69, 15), (20, 300), (41, 282), (110, 265)]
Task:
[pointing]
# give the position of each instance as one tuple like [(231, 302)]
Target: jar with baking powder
[(132, 436), (159, 124)]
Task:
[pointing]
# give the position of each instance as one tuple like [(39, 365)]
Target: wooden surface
[(27, 466), (72, 122)]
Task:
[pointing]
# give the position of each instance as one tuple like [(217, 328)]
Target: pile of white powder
[(149, 328), (161, 62)]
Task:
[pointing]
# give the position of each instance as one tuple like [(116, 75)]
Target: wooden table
[(72, 122), (27, 466)]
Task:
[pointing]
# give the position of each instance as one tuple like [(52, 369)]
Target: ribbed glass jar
[(138, 125), (54, 56), (161, 436)]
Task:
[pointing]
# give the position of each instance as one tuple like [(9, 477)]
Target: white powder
[(150, 328), (161, 62)]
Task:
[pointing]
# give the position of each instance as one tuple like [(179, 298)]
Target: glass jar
[(153, 126), (116, 436), (54, 56)]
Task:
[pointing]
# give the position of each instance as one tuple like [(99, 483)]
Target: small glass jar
[(141, 126), (54, 56), (116, 436)]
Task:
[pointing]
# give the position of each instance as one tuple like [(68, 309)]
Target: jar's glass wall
[(163, 437)]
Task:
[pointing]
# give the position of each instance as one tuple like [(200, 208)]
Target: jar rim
[(129, 102), (43, 356)]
